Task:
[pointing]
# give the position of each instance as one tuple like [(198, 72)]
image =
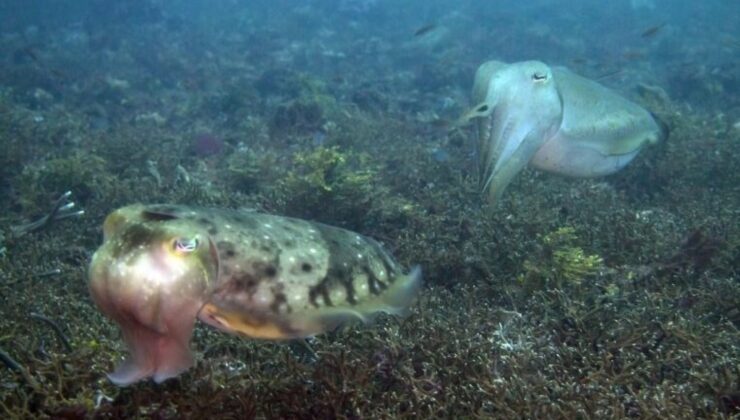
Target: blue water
[(694, 40)]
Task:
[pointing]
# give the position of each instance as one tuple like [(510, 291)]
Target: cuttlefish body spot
[(161, 267), (551, 119)]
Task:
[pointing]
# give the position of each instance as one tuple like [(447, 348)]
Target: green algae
[(326, 182), (559, 262), (309, 107)]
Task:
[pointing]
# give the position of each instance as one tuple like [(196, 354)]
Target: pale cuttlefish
[(258, 275), (552, 119)]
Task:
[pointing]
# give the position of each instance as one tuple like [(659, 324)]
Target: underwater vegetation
[(306, 102), (559, 262), (326, 184), (611, 297), (82, 173)]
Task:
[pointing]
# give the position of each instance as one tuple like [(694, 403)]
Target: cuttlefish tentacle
[(529, 114)]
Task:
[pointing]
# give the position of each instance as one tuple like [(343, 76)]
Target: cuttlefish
[(552, 119), (258, 275)]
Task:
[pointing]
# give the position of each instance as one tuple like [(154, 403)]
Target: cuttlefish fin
[(242, 322), (396, 301), (260, 324)]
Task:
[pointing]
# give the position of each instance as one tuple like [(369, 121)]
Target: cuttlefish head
[(150, 276), (518, 107)]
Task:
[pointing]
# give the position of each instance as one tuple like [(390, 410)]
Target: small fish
[(631, 55), (652, 31), (609, 74), (425, 29), (729, 41), (58, 74), (257, 275)]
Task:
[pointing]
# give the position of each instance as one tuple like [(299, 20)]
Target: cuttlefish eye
[(185, 245), (539, 76)]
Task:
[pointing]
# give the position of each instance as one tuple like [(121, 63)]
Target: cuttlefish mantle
[(552, 119)]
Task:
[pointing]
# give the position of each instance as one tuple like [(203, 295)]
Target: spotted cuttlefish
[(258, 275)]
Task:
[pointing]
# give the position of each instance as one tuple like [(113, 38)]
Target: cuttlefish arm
[(553, 120), (521, 109), (151, 280)]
